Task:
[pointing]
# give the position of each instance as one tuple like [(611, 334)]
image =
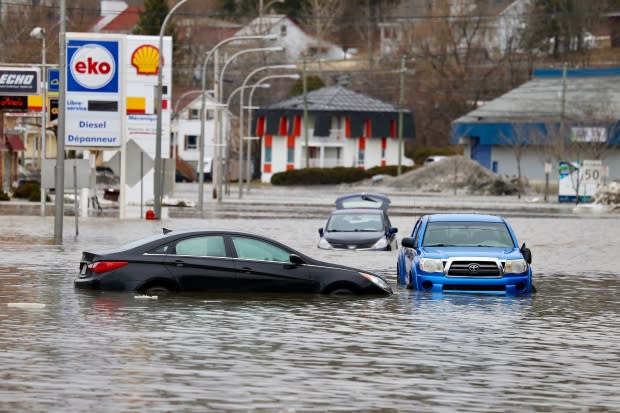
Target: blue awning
[(510, 133)]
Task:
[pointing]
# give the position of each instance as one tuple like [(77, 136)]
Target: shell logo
[(145, 59), (92, 66)]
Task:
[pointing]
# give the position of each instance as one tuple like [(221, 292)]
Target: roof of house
[(589, 95), (263, 24), (116, 17), (184, 97), (330, 101), (334, 99)]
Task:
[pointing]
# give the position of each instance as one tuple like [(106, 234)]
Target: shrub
[(318, 176), (327, 176), (4, 196)]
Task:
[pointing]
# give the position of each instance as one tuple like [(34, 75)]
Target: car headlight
[(324, 244), (380, 244), (515, 266), (431, 265), (378, 281)]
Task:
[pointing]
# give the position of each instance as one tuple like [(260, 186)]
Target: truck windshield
[(467, 234)]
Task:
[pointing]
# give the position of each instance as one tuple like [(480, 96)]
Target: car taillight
[(105, 266)]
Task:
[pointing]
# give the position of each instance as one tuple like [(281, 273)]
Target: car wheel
[(157, 290), (342, 291)]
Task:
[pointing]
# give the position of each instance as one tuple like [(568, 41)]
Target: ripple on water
[(554, 351)]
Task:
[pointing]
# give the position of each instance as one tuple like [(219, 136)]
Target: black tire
[(157, 290), (342, 291)]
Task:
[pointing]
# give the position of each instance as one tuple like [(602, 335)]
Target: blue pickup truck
[(467, 253)]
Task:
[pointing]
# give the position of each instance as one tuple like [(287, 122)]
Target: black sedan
[(226, 261)]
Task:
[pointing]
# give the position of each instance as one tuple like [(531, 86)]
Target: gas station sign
[(92, 105)]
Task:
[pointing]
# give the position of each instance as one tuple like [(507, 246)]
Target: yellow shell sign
[(145, 59)]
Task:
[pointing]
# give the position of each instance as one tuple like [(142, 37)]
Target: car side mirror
[(295, 259), (407, 242), (393, 230), (321, 232), (527, 254)]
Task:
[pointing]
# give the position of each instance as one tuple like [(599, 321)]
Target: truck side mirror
[(527, 254)]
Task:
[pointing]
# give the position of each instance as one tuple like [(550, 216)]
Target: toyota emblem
[(474, 267)]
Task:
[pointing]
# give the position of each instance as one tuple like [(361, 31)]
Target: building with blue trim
[(559, 115)]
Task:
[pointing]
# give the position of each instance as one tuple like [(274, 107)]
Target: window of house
[(191, 142), (194, 114), (283, 30)]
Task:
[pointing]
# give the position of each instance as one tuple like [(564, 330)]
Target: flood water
[(555, 351)]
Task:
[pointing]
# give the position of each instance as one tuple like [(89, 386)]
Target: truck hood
[(486, 252)]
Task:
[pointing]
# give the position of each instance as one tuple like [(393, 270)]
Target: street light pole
[(158, 179), (248, 157), (401, 103), (245, 81), (39, 33), (203, 104), (260, 12), (221, 90)]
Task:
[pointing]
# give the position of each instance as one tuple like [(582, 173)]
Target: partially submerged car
[(464, 253), (359, 222), (219, 261)]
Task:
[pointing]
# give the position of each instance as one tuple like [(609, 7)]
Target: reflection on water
[(556, 350)]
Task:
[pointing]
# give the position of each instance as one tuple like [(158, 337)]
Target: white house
[(496, 28), (186, 129), (345, 128), (296, 42)]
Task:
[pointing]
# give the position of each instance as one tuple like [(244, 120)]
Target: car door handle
[(246, 269), (179, 263)]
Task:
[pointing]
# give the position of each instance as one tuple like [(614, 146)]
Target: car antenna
[(166, 230)]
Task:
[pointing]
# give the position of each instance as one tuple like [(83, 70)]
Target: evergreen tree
[(314, 82), (152, 17)]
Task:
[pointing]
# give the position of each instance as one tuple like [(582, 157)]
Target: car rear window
[(137, 243), (355, 222), (467, 234)]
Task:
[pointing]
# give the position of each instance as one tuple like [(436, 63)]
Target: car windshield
[(355, 222), (467, 234)]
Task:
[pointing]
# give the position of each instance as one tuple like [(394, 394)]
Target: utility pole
[(59, 185), (305, 92), (401, 103), (563, 111)]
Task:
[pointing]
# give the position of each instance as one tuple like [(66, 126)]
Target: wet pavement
[(68, 350)]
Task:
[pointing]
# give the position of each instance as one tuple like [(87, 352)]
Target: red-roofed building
[(116, 17)]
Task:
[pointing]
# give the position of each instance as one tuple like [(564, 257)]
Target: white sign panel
[(579, 179), (93, 97), (141, 70)]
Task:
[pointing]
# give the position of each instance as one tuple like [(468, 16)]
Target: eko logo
[(92, 66)]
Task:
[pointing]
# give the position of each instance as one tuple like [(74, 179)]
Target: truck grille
[(474, 269), (357, 246)]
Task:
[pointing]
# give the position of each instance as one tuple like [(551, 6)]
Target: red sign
[(93, 67), (14, 102)]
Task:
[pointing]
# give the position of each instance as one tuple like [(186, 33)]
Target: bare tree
[(520, 140), (321, 15), (455, 61)]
